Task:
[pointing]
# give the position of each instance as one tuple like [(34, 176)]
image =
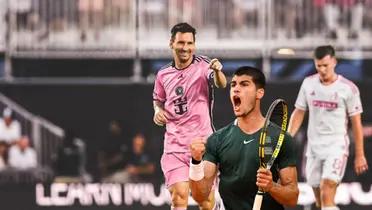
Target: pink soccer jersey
[(187, 95)]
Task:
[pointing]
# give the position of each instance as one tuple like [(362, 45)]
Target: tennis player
[(233, 151)]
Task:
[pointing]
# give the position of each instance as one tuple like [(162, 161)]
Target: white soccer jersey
[(329, 108)]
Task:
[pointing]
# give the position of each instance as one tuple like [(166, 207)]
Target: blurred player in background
[(183, 99), (331, 99)]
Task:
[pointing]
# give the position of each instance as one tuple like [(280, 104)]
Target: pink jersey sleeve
[(208, 73)]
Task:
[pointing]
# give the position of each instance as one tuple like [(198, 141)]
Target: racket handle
[(257, 202)]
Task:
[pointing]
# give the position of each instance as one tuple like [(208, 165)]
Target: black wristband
[(195, 162)]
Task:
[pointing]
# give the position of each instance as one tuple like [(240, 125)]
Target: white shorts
[(332, 167)]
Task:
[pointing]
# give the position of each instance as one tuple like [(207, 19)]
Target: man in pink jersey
[(331, 100), (183, 99)]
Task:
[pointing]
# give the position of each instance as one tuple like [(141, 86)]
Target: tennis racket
[(268, 149)]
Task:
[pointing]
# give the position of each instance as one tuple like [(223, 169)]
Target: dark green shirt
[(236, 154)]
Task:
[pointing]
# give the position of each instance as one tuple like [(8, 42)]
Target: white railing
[(45, 136)]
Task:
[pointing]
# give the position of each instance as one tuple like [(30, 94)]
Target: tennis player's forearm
[(285, 195), (200, 190), (220, 79)]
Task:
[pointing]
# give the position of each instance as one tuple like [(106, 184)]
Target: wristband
[(195, 162), (196, 172)]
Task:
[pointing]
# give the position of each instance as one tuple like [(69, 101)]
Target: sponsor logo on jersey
[(325, 104), (179, 91), (248, 141), (180, 105)]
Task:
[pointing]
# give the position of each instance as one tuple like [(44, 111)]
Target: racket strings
[(269, 148), (277, 115)]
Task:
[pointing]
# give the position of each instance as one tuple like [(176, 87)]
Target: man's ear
[(260, 93), (335, 61), (171, 43)]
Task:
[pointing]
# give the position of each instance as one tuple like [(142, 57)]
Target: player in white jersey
[(183, 98), (331, 100)]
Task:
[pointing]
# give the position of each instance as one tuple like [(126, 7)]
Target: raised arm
[(360, 162), (201, 189), (219, 76), (296, 120), (202, 173), (286, 191)]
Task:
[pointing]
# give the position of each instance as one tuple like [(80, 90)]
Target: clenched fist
[(160, 116), (197, 149), (264, 179), (215, 65)]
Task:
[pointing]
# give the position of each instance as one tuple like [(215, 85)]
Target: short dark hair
[(322, 51), (183, 28), (257, 75)]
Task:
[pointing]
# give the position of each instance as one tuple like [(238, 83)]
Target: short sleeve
[(301, 102), (159, 92), (208, 73), (211, 153), (353, 102), (288, 154)]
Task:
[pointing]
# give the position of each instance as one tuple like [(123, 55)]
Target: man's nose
[(236, 89), (321, 69), (185, 47)]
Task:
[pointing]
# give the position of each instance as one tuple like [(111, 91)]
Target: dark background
[(89, 108), (42, 86)]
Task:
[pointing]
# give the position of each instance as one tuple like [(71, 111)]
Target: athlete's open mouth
[(237, 101)]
